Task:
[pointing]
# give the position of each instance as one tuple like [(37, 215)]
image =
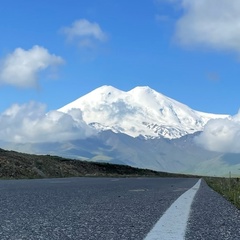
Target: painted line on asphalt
[(172, 225)]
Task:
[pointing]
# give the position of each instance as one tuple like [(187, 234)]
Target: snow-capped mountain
[(167, 131), (140, 111)]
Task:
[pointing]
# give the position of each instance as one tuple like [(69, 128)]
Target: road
[(108, 208)]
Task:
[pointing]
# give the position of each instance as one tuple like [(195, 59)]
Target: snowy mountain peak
[(145, 89), (106, 89), (102, 93), (140, 111)]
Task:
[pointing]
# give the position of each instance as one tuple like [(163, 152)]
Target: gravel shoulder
[(212, 217)]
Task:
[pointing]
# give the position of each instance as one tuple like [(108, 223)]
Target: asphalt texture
[(212, 217), (90, 208), (108, 208)]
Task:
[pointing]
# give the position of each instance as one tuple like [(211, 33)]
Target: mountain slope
[(140, 111), (16, 165), (179, 155)]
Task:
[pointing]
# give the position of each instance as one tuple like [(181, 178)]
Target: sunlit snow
[(140, 111)]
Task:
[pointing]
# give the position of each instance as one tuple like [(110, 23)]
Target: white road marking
[(138, 190), (172, 225)]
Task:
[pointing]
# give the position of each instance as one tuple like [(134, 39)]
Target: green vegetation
[(227, 187), (15, 165)]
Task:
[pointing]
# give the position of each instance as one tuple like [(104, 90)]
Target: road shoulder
[(212, 217)]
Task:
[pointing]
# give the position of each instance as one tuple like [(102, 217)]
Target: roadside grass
[(15, 165), (227, 187)]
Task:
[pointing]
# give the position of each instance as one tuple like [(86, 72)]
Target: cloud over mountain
[(22, 67), (29, 123), (221, 135), (140, 127)]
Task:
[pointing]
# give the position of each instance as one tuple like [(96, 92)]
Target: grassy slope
[(14, 165), (227, 187)]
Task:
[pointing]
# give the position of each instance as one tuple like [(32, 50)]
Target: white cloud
[(210, 23), (21, 68), (85, 33), (221, 135), (28, 123)]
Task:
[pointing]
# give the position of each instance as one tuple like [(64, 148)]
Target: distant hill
[(15, 165)]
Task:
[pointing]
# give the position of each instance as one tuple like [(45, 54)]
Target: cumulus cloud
[(85, 33), (211, 23), (22, 67), (221, 135), (29, 123)]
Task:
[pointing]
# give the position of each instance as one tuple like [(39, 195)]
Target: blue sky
[(54, 52)]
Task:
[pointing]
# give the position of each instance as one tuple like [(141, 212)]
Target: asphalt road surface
[(108, 208)]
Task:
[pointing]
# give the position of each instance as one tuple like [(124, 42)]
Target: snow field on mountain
[(140, 111)]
